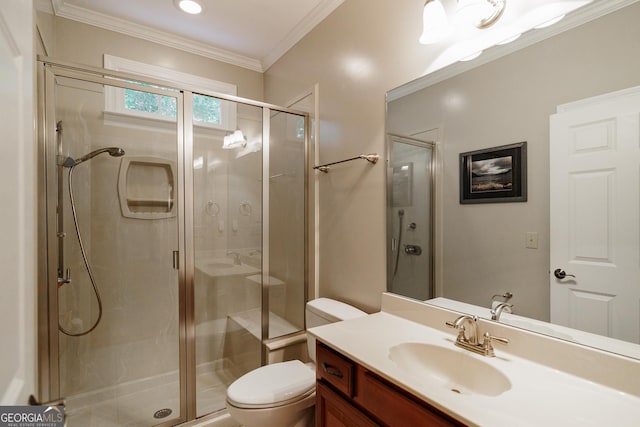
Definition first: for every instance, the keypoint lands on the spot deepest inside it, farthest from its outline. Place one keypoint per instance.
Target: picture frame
(494, 175)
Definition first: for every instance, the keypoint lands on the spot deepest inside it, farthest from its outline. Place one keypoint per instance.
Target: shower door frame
(429, 145)
(47, 303)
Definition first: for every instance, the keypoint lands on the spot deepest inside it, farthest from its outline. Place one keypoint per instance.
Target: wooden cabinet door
(395, 408)
(334, 411)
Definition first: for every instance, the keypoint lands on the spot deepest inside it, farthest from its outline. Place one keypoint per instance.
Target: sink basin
(452, 368)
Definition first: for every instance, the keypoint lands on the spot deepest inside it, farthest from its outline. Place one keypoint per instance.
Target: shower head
(401, 212)
(113, 151)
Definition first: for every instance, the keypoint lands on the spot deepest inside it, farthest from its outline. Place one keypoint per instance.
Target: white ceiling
(249, 33)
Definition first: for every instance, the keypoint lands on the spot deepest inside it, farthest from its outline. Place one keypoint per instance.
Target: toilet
(283, 394)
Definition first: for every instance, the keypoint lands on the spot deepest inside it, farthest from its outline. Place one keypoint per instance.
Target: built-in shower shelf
(165, 204)
(147, 188)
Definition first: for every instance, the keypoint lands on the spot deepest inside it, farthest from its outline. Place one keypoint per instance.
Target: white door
(17, 198)
(595, 201)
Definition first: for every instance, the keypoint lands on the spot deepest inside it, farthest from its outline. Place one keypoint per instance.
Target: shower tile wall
(131, 258)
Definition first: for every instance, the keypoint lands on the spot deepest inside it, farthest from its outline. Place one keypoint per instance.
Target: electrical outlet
(532, 240)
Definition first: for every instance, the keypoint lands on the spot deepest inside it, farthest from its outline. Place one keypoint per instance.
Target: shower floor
(134, 404)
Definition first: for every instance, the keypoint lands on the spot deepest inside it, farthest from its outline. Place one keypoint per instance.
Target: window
(207, 111)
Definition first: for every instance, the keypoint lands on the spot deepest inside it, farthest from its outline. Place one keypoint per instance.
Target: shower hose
(400, 217)
(86, 264)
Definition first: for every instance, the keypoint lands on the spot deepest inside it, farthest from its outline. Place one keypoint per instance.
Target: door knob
(560, 274)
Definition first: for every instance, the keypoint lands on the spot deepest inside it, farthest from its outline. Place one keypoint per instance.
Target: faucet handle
(488, 339)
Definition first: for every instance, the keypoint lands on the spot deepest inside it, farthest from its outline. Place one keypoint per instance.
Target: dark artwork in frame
(494, 175)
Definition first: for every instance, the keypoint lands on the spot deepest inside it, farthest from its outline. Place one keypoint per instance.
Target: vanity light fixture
(234, 140)
(435, 25)
(510, 39)
(471, 57)
(191, 7)
(549, 22)
(481, 13)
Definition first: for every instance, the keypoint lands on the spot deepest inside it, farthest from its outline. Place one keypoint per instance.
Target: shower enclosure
(410, 221)
(170, 251)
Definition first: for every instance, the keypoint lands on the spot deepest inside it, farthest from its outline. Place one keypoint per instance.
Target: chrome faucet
(459, 323)
(498, 309)
(470, 342)
(236, 257)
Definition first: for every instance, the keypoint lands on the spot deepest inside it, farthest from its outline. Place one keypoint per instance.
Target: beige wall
(367, 48)
(363, 49)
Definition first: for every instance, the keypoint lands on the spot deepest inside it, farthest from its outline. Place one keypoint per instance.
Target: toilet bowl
(283, 394)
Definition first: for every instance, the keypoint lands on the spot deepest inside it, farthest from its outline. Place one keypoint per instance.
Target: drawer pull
(331, 370)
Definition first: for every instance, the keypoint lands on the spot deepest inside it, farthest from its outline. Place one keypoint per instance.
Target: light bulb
(190, 6)
(435, 25)
(480, 13)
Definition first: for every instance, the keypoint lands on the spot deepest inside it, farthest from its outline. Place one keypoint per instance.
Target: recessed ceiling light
(189, 6)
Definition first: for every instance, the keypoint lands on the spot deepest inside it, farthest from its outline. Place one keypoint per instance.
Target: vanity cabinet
(350, 395)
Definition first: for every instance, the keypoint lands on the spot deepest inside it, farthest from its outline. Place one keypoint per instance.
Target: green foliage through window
(205, 108)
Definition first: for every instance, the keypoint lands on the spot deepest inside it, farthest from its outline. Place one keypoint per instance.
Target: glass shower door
(286, 288)
(410, 217)
(227, 212)
(117, 292)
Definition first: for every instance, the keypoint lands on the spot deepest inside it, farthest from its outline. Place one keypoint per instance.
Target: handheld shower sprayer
(71, 164)
(113, 152)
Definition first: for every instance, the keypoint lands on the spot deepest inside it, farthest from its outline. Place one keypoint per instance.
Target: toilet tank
(322, 311)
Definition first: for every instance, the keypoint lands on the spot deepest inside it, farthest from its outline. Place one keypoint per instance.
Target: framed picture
(494, 175)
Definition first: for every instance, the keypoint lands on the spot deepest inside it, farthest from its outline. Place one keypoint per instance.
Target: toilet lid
(272, 384)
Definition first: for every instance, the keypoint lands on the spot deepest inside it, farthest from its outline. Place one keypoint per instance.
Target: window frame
(114, 97)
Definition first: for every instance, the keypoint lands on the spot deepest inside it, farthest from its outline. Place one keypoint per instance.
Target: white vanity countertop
(597, 341)
(539, 395)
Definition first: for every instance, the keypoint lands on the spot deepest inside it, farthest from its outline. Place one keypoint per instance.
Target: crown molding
(581, 16)
(317, 15)
(86, 16)
(123, 26)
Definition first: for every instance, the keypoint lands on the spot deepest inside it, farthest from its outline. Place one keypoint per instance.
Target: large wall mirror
(492, 249)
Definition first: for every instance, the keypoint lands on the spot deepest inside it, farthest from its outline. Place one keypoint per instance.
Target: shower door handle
(176, 260)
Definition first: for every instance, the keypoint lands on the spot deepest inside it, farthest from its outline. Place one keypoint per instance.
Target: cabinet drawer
(393, 407)
(335, 369)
